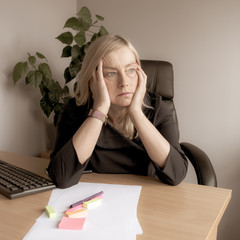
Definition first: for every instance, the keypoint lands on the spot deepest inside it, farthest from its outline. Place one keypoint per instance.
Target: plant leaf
(83, 51)
(32, 60)
(66, 52)
(67, 76)
(66, 99)
(56, 89)
(29, 77)
(65, 90)
(103, 31)
(65, 37)
(85, 25)
(75, 52)
(94, 37)
(38, 78)
(80, 38)
(40, 55)
(75, 86)
(46, 105)
(42, 89)
(45, 70)
(19, 70)
(73, 23)
(75, 67)
(34, 78)
(85, 18)
(58, 108)
(53, 98)
(51, 92)
(100, 18)
(85, 14)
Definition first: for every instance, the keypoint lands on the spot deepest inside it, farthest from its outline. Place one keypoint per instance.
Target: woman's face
(120, 75)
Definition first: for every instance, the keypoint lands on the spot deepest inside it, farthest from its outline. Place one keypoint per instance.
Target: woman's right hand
(101, 99)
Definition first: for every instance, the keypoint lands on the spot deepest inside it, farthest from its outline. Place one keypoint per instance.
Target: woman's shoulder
(74, 112)
(71, 105)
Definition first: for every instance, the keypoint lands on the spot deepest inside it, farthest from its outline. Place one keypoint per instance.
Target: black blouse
(113, 152)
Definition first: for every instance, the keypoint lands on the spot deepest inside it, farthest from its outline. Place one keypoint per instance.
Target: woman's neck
(115, 115)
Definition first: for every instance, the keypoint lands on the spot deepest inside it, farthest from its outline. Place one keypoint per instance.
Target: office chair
(160, 80)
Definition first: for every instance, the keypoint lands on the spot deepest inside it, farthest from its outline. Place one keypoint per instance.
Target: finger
(142, 72)
(93, 77)
(100, 70)
(142, 77)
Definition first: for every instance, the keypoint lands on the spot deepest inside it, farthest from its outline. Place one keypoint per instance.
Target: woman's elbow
(174, 176)
(62, 181)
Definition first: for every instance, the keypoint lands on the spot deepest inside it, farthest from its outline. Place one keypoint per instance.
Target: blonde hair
(95, 52)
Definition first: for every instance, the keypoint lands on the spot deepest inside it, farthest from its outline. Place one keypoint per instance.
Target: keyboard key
(17, 182)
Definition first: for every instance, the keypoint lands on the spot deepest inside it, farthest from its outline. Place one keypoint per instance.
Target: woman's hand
(136, 104)
(101, 99)
(155, 144)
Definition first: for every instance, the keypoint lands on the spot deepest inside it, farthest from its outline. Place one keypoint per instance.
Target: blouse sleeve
(64, 168)
(176, 165)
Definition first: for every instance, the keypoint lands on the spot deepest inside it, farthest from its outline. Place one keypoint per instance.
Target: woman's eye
(110, 74)
(131, 71)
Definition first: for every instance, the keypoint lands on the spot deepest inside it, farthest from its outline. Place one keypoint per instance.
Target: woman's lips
(124, 94)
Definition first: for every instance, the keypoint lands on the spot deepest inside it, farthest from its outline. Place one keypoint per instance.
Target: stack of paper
(115, 218)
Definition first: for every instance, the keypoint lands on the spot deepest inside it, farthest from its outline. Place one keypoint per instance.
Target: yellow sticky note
(50, 211)
(92, 203)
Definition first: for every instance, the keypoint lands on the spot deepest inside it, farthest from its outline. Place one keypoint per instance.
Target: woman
(110, 125)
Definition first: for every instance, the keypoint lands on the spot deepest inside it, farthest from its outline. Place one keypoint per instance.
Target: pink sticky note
(71, 223)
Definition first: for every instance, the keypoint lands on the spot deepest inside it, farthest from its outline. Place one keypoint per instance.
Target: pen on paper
(86, 199)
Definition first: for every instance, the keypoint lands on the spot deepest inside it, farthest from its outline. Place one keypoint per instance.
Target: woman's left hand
(140, 91)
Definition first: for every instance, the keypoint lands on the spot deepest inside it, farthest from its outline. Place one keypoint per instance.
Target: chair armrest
(201, 163)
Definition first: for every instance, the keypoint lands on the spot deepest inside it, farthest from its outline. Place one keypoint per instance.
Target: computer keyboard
(17, 182)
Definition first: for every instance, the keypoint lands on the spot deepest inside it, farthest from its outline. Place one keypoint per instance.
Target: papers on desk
(115, 218)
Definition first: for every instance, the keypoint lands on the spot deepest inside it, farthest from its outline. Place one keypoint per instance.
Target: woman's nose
(123, 80)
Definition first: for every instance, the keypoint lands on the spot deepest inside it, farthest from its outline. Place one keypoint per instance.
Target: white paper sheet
(115, 219)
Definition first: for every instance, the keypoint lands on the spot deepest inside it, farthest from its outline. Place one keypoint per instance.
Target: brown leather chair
(161, 81)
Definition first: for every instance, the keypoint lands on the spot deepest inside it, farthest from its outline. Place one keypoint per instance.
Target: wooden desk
(184, 212)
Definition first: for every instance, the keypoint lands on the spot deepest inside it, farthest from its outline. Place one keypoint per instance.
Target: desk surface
(186, 211)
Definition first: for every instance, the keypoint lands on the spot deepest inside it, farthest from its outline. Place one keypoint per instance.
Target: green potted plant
(37, 72)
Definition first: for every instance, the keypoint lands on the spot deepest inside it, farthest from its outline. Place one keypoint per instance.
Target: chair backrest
(161, 81)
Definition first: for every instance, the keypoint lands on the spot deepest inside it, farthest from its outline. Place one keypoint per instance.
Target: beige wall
(28, 26)
(202, 40)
